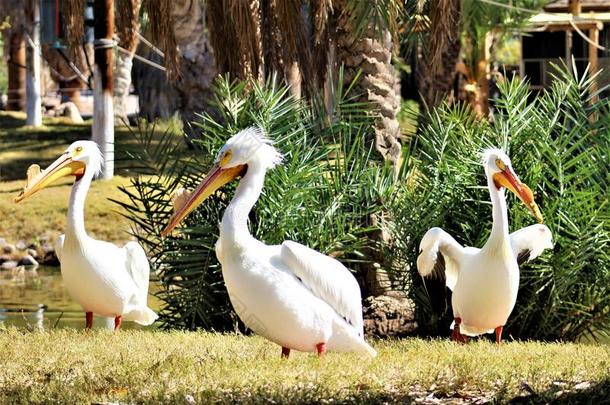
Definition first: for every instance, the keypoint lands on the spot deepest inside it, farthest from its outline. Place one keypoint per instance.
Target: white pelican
(485, 281)
(288, 293)
(103, 278)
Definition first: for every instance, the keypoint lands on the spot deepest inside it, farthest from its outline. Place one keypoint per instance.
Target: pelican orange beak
(62, 167)
(507, 178)
(216, 178)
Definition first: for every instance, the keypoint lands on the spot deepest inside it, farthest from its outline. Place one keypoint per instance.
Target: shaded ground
(20, 146)
(187, 367)
(45, 213)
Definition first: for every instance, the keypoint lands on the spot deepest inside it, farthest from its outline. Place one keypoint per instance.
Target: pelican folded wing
(328, 279)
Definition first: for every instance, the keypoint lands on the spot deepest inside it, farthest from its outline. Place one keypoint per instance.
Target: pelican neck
(76, 207)
(234, 223)
(499, 229)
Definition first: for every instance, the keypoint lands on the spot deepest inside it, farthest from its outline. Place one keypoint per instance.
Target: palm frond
(382, 16)
(74, 17)
(161, 26)
(323, 194)
(557, 149)
(128, 22)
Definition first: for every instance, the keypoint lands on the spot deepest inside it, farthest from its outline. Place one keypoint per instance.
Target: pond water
(35, 298)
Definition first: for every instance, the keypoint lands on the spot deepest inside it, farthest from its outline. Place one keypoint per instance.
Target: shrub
(323, 194)
(559, 144)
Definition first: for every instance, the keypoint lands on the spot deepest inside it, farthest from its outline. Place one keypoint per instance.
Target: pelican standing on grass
(485, 281)
(288, 293)
(103, 278)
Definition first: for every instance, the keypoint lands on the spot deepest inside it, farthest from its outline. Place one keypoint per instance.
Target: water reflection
(35, 298)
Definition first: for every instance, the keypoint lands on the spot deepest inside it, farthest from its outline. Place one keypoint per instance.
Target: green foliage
(323, 195)
(508, 51)
(562, 153)
(480, 19)
(381, 15)
(3, 69)
(408, 116)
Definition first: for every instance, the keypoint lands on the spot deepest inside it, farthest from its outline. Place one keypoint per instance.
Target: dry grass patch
(182, 367)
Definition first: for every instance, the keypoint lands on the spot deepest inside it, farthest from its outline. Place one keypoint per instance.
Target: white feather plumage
(484, 281)
(289, 293)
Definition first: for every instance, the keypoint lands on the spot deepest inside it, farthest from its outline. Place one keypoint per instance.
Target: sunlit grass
(45, 212)
(143, 366)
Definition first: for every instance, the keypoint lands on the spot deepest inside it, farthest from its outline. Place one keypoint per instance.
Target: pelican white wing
(328, 279)
(138, 268)
(59, 246)
(528, 243)
(440, 253)
(288, 293)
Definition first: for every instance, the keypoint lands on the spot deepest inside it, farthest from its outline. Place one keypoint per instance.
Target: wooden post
(16, 72)
(103, 114)
(481, 103)
(593, 65)
(32, 83)
(124, 63)
(569, 49)
(575, 7)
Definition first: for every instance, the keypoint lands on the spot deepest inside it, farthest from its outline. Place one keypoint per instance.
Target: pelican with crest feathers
(485, 281)
(103, 278)
(290, 294)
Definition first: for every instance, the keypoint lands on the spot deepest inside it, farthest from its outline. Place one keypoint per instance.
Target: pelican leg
(88, 320)
(456, 335)
(117, 322)
(499, 334)
(321, 349)
(285, 352)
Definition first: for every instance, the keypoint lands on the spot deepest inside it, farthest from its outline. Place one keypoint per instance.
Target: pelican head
(81, 156)
(499, 169)
(249, 147)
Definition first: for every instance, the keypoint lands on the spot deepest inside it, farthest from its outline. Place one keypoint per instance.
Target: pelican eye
(500, 164)
(78, 149)
(226, 158)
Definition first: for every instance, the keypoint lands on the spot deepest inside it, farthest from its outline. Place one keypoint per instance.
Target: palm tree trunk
(377, 84)
(197, 63)
(122, 84)
(124, 61)
(157, 97)
(436, 68)
(481, 100)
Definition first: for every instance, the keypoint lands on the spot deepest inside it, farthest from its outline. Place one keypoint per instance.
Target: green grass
(20, 145)
(45, 213)
(149, 367)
